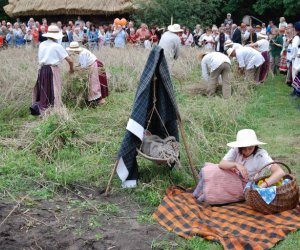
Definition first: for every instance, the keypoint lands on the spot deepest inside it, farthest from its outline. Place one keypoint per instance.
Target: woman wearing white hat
(47, 92)
(248, 158)
(98, 89)
(230, 44)
(225, 182)
(263, 45)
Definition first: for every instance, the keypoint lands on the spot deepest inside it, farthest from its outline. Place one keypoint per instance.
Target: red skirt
(264, 70)
(283, 64)
(103, 80)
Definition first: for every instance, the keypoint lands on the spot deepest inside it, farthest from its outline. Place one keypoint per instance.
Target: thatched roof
(17, 8)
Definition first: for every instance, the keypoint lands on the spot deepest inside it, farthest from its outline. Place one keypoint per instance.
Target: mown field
(43, 158)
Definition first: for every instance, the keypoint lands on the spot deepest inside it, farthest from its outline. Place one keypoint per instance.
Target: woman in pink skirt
(224, 182)
(262, 45)
(98, 87)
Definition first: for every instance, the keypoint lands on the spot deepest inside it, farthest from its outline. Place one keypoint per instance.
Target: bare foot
(102, 101)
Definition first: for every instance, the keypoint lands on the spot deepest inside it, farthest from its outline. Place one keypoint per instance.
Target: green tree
(184, 12)
(238, 9)
(287, 7)
(2, 12)
(263, 9)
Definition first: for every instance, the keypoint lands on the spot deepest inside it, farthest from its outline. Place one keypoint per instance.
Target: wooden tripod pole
(194, 172)
(110, 179)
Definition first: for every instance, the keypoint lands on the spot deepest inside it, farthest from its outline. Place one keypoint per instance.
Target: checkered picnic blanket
(235, 226)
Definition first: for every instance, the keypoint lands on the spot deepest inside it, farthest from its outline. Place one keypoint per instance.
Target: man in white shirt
(47, 92)
(249, 60)
(170, 42)
(215, 64)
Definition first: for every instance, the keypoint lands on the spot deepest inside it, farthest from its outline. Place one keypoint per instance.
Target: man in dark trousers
(236, 34)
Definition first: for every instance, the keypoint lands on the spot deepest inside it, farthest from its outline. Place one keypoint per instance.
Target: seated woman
(225, 182)
(98, 88)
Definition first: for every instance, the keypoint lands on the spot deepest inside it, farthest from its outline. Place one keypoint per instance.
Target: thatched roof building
(18, 8)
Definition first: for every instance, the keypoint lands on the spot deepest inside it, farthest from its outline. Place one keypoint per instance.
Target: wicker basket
(287, 195)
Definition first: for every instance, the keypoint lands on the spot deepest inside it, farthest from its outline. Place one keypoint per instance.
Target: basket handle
(271, 163)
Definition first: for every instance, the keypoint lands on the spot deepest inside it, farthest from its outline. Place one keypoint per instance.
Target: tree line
(208, 12)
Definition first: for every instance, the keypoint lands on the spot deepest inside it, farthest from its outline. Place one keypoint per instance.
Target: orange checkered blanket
(235, 226)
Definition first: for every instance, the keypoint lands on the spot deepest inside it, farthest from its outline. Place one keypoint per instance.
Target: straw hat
(202, 54)
(74, 46)
(262, 35)
(228, 43)
(229, 51)
(53, 32)
(175, 28)
(245, 138)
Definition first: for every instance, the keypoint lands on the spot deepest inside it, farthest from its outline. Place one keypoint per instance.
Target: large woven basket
(287, 195)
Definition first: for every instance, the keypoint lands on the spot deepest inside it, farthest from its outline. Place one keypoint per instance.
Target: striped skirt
(283, 65)
(48, 88)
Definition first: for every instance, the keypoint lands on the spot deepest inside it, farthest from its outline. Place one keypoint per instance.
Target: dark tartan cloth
(235, 226)
(166, 105)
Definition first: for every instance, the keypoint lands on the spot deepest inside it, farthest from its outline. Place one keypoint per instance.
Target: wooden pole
(172, 20)
(194, 172)
(110, 179)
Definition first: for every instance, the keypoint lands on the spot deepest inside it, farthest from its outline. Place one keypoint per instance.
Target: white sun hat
(262, 35)
(228, 43)
(53, 32)
(229, 51)
(74, 46)
(175, 28)
(245, 138)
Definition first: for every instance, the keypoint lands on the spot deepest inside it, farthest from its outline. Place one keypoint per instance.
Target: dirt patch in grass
(79, 220)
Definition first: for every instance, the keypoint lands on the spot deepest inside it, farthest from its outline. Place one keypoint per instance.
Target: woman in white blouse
(248, 158)
(98, 88)
(249, 61)
(225, 182)
(207, 40)
(263, 45)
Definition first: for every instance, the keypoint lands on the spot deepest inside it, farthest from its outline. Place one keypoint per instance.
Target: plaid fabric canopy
(143, 103)
(235, 226)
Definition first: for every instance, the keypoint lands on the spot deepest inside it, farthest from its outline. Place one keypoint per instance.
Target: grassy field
(78, 146)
